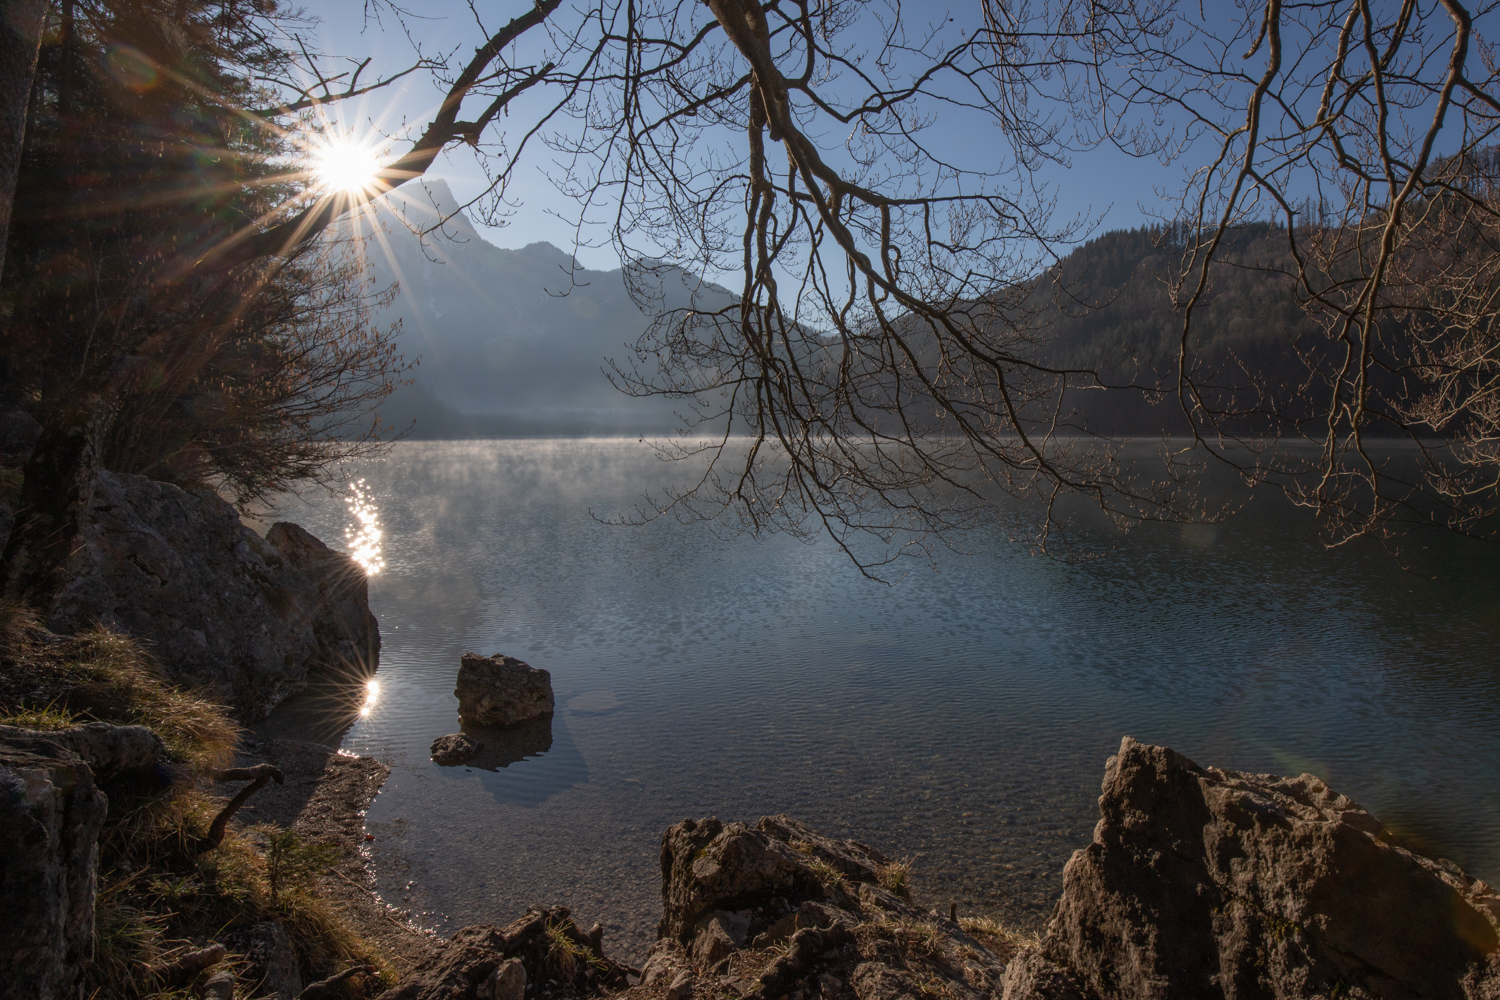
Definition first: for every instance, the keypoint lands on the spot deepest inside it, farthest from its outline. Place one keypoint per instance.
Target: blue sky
(1118, 189)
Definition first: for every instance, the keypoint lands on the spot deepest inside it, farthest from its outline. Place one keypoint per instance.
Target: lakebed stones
(500, 690)
(1202, 882)
(455, 748)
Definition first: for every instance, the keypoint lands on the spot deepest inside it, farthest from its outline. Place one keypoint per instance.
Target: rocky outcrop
(218, 604)
(543, 948)
(51, 812)
(784, 911)
(345, 633)
(1208, 883)
(500, 690)
(454, 748)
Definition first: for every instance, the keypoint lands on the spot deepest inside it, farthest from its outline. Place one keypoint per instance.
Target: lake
(958, 717)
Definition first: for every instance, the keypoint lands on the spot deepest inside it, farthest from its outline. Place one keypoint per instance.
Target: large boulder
(779, 910)
(1208, 883)
(709, 868)
(218, 604)
(51, 812)
(345, 633)
(542, 947)
(500, 690)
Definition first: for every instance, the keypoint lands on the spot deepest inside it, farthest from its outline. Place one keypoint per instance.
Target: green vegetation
(565, 953)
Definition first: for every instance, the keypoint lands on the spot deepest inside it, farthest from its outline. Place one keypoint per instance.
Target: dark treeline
(144, 152)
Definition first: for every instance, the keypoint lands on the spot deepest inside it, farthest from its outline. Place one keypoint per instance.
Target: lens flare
(363, 535)
(372, 695)
(344, 165)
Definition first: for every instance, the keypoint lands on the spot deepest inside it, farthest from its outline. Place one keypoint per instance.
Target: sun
(344, 165)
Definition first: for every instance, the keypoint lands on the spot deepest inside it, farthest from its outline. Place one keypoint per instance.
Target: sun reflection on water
(363, 535)
(372, 695)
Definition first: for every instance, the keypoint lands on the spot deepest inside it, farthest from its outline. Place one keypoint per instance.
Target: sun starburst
(345, 165)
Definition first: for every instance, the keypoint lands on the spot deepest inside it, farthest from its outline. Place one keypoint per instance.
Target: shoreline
(325, 797)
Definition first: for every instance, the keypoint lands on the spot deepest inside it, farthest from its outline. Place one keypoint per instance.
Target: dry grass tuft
(157, 896)
(20, 627)
(995, 936)
(895, 877)
(826, 873)
(49, 717)
(117, 681)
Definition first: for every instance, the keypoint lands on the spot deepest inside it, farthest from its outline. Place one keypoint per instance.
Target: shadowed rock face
(1208, 883)
(501, 690)
(50, 816)
(217, 604)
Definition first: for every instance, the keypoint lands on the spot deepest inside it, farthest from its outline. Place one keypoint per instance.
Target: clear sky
(1103, 182)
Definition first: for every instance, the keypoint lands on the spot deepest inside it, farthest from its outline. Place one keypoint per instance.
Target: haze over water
(961, 718)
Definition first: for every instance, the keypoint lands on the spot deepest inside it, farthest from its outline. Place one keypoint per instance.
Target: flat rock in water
(500, 690)
(454, 748)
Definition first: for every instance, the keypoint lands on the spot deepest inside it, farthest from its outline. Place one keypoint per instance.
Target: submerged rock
(454, 749)
(217, 604)
(500, 690)
(1202, 882)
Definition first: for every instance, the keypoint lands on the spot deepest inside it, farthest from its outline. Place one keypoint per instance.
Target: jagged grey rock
(455, 748)
(50, 816)
(107, 749)
(718, 935)
(220, 986)
(507, 982)
(708, 866)
(1203, 882)
(345, 631)
(681, 987)
(665, 960)
(218, 604)
(501, 690)
(475, 963)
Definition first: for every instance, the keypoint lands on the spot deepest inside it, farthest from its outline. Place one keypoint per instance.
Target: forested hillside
(1111, 310)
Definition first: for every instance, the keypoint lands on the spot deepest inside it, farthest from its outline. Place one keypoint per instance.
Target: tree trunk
(58, 484)
(20, 41)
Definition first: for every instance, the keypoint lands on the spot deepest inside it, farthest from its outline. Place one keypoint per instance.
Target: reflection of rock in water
(523, 765)
(322, 712)
(507, 745)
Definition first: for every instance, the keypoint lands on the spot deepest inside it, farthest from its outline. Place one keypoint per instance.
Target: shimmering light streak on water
(960, 717)
(372, 695)
(362, 537)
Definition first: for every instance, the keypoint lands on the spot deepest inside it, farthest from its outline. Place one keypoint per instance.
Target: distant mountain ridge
(511, 342)
(518, 342)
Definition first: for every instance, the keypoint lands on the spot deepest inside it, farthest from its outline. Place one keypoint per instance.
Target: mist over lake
(960, 717)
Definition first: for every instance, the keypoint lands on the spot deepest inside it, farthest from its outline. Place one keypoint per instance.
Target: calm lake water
(960, 717)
